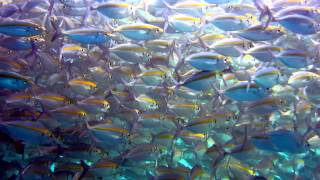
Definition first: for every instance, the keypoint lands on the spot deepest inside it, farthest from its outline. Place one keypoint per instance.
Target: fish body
(29, 132)
(20, 29)
(200, 81)
(16, 44)
(87, 36)
(208, 61)
(132, 53)
(230, 47)
(240, 92)
(114, 10)
(264, 53)
(299, 24)
(265, 106)
(280, 141)
(13, 81)
(184, 23)
(230, 22)
(259, 33)
(140, 32)
(267, 77)
(293, 58)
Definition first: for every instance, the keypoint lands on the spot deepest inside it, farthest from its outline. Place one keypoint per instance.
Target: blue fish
(280, 141)
(267, 77)
(242, 91)
(299, 24)
(13, 81)
(16, 44)
(207, 61)
(20, 29)
(87, 36)
(114, 10)
(200, 81)
(293, 58)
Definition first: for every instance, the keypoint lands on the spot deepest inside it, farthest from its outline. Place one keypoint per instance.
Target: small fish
(14, 82)
(206, 61)
(265, 106)
(108, 134)
(308, 11)
(82, 86)
(20, 29)
(230, 22)
(302, 78)
(131, 53)
(240, 9)
(51, 100)
(201, 125)
(280, 141)
(103, 168)
(299, 24)
(200, 81)
(240, 92)
(140, 152)
(192, 8)
(261, 33)
(94, 105)
(185, 109)
(267, 77)
(312, 94)
(263, 53)
(293, 58)
(140, 32)
(87, 36)
(114, 10)
(70, 52)
(184, 23)
(159, 45)
(29, 132)
(233, 47)
(19, 98)
(68, 115)
(16, 44)
(153, 77)
(146, 103)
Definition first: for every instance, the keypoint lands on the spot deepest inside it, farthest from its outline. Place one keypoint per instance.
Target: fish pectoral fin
(248, 86)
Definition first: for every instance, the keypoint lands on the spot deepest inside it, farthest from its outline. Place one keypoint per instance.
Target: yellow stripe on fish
(83, 82)
(112, 129)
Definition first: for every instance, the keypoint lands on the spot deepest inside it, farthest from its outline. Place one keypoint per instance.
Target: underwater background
(159, 89)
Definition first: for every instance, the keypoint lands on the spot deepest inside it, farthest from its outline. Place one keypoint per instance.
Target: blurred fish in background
(160, 89)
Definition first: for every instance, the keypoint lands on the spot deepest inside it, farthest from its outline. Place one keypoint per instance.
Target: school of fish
(160, 89)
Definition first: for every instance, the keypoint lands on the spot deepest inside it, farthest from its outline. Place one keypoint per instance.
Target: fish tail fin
(264, 11)
(168, 6)
(217, 99)
(203, 44)
(87, 13)
(56, 28)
